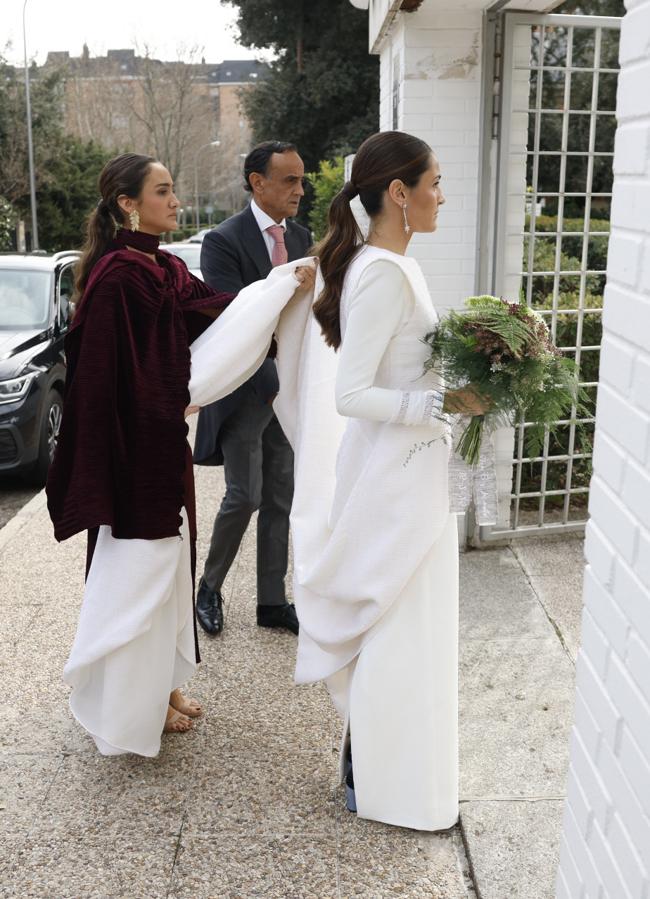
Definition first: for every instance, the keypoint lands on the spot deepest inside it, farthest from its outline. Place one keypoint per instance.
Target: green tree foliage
(326, 183)
(566, 335)
(46, 111)
(6, 225)
(66, 168)
(68, 193)
(592, 8)
(323, 90)
(554, 83)
(553, 86)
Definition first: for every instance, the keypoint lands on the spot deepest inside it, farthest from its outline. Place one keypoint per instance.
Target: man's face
(279, 192)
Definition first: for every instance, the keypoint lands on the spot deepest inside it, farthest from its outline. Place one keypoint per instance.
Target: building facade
(476, 86)
(176, 111)
(441, 79)
(606, 841)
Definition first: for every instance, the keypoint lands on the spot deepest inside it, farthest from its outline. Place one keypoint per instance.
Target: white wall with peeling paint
(430, 86)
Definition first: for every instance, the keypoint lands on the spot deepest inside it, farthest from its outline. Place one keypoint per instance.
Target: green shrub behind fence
(566, 336)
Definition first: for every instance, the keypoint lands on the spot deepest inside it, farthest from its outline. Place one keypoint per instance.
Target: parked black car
(35, 295)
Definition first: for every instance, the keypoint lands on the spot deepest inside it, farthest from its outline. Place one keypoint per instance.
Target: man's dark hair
(259, 157)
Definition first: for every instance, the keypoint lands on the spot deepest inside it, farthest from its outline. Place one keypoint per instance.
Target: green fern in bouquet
(505, 352)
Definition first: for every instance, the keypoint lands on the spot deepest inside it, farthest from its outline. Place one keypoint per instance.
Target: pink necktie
(279, 255)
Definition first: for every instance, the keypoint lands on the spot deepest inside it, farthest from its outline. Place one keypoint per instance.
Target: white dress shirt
(265, 221)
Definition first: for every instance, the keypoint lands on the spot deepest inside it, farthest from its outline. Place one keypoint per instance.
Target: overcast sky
(164, 25)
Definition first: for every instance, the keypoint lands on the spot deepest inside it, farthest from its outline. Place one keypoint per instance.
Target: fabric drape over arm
(366, 508)
(236, 344)
(381, 302)
(202, 303)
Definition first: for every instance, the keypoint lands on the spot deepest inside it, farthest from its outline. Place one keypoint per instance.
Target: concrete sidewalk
(246, 805)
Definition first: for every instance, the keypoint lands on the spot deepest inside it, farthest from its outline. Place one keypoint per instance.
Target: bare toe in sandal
(176, 722)
(189, 707)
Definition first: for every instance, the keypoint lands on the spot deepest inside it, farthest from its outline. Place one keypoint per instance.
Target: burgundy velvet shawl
(122, 458)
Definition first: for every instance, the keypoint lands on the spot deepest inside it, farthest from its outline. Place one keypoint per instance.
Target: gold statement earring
(134, 219)
(407, 227)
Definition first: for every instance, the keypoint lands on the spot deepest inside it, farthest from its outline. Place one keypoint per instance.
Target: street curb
(22, 517)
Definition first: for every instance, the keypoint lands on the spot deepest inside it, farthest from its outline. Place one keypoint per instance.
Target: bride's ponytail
(379, 160)
(335, 253)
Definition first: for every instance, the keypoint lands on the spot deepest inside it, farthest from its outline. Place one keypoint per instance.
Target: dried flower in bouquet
(504, 350)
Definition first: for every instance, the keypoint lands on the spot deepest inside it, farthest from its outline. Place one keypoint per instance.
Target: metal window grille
(552, 233)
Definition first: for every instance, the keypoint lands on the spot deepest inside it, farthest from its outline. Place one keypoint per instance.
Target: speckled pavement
(246, 805)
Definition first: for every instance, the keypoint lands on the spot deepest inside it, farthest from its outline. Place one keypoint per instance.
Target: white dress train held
(399, 692)
(375, 546)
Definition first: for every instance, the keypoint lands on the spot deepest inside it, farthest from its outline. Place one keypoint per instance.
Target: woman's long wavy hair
(123, 175)
(379, 160)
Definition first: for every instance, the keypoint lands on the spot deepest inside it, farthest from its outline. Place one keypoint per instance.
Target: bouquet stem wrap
(469, 444)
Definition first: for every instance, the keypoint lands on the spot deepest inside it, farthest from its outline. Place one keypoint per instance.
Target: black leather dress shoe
(209, 609)
(278, 616)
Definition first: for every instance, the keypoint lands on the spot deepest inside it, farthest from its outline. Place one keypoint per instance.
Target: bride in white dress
(375, 546)
(399, 691)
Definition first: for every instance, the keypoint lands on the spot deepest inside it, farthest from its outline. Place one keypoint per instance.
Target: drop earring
(407, 227)
(134, 219)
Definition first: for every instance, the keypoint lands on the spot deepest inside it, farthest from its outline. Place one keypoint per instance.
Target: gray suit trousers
(258, 468)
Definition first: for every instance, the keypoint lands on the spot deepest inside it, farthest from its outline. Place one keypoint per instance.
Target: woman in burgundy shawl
(123, 468)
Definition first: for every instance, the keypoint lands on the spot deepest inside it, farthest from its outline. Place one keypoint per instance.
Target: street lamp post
(30, 143)
(212, 143)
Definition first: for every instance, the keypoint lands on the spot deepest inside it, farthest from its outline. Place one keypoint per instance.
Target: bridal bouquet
(504, 350)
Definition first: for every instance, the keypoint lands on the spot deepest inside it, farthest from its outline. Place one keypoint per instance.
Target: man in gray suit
(241, 431)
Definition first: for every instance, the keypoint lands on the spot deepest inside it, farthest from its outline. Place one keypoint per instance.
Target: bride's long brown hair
(124, 174)
(379, 160)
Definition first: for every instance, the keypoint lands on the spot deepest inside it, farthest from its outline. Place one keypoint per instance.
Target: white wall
(514, 167)
(436, 57)
(430, 85)
(508, 274)
(606, 839)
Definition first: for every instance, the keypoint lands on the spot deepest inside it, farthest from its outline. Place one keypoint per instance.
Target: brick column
(606, 839)
(430, 87)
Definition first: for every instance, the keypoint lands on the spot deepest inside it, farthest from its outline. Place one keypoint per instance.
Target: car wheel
(50, 427)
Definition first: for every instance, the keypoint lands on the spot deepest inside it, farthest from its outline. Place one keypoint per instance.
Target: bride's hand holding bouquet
(466, 401)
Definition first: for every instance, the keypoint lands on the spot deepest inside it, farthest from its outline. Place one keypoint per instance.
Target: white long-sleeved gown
(401, 689)
(375, 547)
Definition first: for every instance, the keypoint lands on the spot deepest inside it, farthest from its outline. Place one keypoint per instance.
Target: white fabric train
(375, 547)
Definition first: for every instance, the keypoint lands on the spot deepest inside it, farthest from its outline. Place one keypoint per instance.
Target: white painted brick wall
(605, 849)
(515, 210)
(439, 55)
(509, 268)
(439, 58)
(439, 100)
